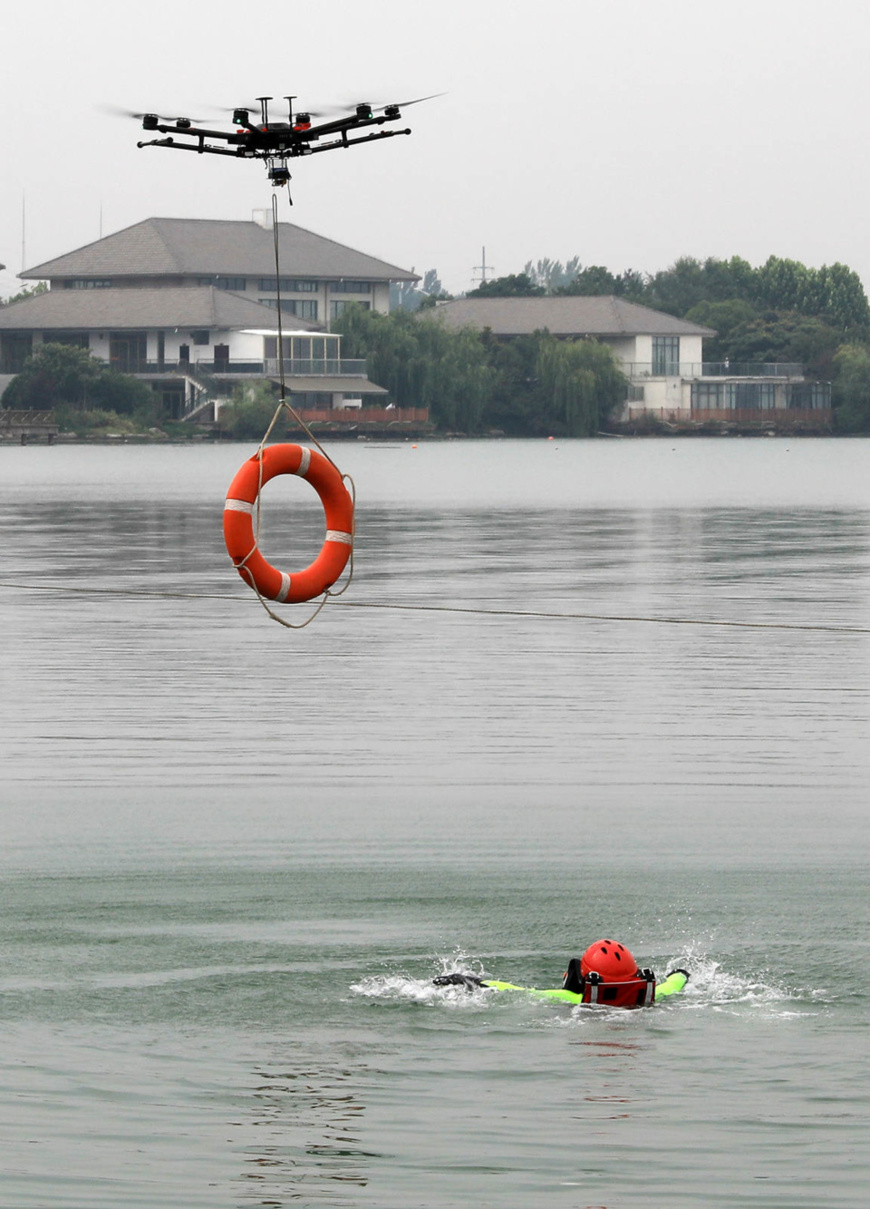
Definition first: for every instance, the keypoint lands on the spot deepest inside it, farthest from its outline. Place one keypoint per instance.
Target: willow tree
(579, 383)
(421, 363)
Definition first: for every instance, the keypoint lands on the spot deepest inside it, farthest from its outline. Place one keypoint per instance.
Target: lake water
(233, 856)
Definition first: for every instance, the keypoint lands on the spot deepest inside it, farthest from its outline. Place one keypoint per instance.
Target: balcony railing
(713, 369)
(306, 369)
(292, 367)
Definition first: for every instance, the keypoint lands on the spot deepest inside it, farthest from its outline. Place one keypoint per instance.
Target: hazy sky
(627, 133)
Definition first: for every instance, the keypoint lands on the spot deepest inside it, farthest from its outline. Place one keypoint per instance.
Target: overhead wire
(472, 610)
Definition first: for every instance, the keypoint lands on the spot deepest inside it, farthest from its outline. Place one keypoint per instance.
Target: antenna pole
(482, 268)
(264, 109)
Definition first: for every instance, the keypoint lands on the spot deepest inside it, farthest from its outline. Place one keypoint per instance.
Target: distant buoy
(241, 504)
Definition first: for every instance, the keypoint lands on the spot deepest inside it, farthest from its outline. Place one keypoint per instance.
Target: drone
(275, 142)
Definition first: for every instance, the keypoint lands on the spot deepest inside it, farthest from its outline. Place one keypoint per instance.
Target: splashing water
(711, 986)
(404, 987)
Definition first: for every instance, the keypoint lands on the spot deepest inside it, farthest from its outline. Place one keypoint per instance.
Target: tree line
(471, 382)
(780, 311)
(535, 384)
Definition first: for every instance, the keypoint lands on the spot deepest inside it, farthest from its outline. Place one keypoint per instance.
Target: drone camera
(149, 121)
(278, 174)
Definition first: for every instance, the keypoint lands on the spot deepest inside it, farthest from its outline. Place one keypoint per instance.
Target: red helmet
(610, 959)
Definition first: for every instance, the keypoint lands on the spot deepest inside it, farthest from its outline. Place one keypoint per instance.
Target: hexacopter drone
(275, 142)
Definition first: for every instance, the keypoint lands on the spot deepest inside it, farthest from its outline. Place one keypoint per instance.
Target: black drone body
(275, 142)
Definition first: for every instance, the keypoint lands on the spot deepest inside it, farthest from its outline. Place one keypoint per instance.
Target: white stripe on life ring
(335, 535)
(305, 463)
(285, 587)
(239, 506)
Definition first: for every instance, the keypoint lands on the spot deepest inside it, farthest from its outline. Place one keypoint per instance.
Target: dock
(29, 425)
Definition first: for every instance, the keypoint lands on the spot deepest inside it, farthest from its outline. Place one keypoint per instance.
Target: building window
(665, 355)
(73, 339)
(289, 285)
(303, 308)
(754, 396)
(707, 396)
(224, 283)
(127, 351)
(199, 337)
(15, 349)
(809, 395)
(350, 287)
(87, 283)
(338, 308)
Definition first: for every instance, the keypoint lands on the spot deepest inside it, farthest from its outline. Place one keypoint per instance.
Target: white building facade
(190, 305)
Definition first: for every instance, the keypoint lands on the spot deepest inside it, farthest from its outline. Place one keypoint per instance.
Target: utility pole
(483, 268)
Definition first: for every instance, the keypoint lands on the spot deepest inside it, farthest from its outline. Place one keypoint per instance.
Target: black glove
(470, 981)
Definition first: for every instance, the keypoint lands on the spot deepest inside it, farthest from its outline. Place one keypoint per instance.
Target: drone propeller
(348, 107)
(416, 101)
(391, 105)
(118, 111)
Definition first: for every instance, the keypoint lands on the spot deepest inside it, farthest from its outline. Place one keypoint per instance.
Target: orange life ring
(241, 503)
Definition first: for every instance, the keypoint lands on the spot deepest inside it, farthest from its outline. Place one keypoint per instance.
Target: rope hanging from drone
(275, 143)
(243, 508)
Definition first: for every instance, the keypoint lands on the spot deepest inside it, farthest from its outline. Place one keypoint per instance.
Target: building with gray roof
(191, 306)
(660, 355)
(318, 277)
(570, 316)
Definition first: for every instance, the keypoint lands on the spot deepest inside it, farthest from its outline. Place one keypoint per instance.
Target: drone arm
(200, 148)
(352, 122)
(197, 132)
(344, 141)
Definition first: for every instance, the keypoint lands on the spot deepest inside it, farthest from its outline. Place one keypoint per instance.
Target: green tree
(544, 386)
(580, 384)
(29, 291)
(724, 318)
(66, 377)
(845, 302)
(126, 396)
(552, 275)
(514, 405)
(594, 279)
(407, 296)
(55, 374)
(515, 285)
(421, 363)
(786, 337)
(851, 391)
(785, 285)
(249, 413)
